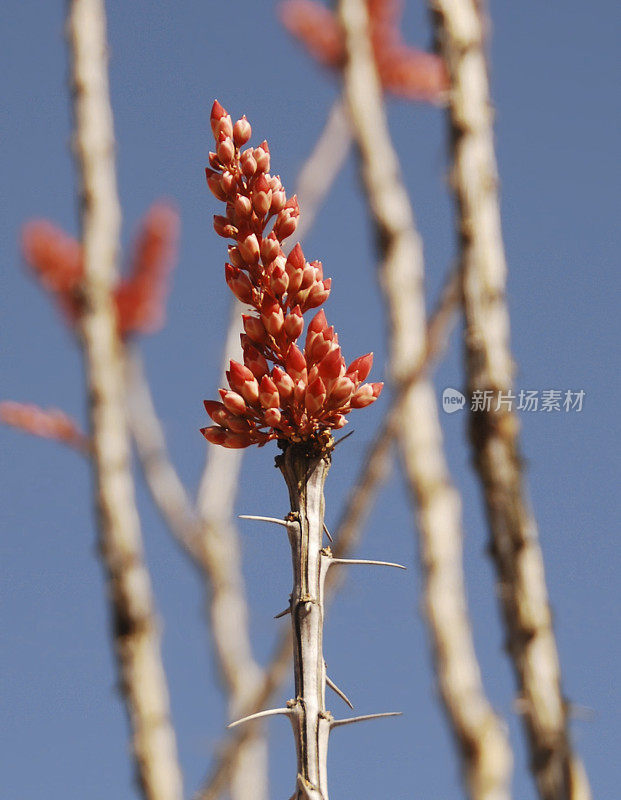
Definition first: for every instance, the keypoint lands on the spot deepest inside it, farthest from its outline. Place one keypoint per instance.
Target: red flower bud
(318, 323)
(270, 249)
(315, 396)
(294, 324)
(262, 157)
(243, 206)
(237, 375)
(255, 361)
(217, 113)
(223, 227)
(272, 316)
(283, 382)
(248, 163)
(287, 219)
(342, 389)
(279, 280)
(229, 184)
(239, 283)
(272, 417)
(241, 132)
(214, 434)
(225, 149)
(330, 365)
(268, 393)
(366, 394)
(360, 367)
(213, 181)
(255, 329)
(295, 363)
(235, 257)
(233, 401)
(279, 198)
(249, 248)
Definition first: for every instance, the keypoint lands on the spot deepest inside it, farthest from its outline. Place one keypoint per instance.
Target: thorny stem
(494, 432)
(305, 473)
(136, 638)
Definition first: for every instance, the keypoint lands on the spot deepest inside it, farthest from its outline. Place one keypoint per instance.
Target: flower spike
(286, 389)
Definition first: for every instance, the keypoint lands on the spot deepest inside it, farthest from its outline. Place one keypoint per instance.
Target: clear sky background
(555, 82)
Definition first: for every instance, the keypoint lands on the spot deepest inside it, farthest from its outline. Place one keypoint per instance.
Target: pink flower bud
(248, 163)
(236, 441)
(315, 396)
(255, 329)
(366, 394)
(239, 283)
(270, 249)
(299, 391)
(234, 402)
(214, 434)
(214, 161)
(342, 389)
(287, 219)
(241, 132)
(235, 257)
(279, 198)
(223, 227)
(217, 113)
(255, 362)
(250, 390)
(225, 149)
(295, 363)
(294, 324)
(317, 295)
(262, 157)
(243, 206)
(249, 248)
(213, 408)
(272, 417)
(272, 316)
(268, 393)
(283, 382)
(330, 365)
(279, 280)
(318, 267)
(261, 202)
(360, 367)
(318, 323)
(213, 181)
(237, 375)
(229, 184)
(339, 421)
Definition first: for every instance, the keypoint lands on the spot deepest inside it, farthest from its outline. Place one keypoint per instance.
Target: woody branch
(494, 432)
(482, 743)
(135, 631)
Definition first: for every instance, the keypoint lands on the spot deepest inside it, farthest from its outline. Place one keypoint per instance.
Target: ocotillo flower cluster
(282, 390)
(403, 70)
(56, 259)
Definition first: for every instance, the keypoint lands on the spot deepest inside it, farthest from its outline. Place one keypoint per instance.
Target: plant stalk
(305, 474)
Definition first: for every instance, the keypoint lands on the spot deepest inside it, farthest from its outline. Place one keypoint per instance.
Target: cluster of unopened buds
(282, 390)
(140, 298)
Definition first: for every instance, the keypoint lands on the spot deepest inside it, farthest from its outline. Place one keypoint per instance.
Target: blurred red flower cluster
(403, 70)
(56, 259)
(307, 389)
(48, 423)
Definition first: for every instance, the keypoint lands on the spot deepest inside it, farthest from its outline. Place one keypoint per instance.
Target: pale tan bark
(134, 621)
(494, 433)
(482, 742)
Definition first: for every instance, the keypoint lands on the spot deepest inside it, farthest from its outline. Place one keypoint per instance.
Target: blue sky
(555, 76)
